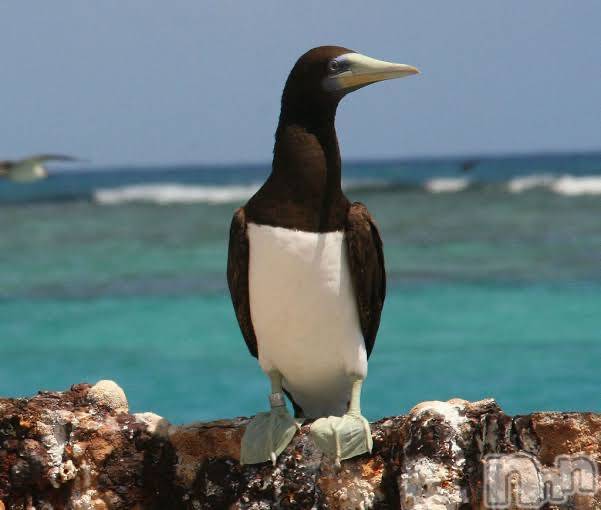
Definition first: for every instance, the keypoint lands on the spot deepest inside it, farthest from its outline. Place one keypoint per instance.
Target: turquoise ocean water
(494, 285)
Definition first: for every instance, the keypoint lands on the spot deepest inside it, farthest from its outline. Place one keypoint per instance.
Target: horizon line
(353, 161)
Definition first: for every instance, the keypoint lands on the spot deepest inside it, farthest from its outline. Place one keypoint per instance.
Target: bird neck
(306, 151)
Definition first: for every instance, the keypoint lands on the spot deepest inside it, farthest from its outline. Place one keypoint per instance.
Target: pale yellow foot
(342, 437)
(267, 435)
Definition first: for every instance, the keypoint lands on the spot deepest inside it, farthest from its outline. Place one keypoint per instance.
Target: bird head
(324, 75)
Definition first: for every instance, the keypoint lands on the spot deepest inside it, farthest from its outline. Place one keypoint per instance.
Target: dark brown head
(324, 75)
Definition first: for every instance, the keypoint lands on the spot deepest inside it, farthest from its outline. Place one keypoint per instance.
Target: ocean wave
(528, 182)
(447, 184)
(367, 184)
(563, 185)
(175, 193)
(570, 185)
(172, 193)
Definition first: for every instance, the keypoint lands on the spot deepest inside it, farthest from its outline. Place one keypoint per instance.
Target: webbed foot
(267, 435)
(342, 437)
(347, 436)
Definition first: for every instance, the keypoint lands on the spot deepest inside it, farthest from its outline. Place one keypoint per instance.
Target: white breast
(305, 316)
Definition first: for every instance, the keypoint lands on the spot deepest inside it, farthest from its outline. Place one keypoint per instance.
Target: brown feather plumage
(366, 260)
(237, 278)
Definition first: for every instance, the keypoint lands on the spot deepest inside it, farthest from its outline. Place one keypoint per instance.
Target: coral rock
(108, 394)
(81, 450)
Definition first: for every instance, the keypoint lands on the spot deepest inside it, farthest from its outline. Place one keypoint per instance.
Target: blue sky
(142, 81)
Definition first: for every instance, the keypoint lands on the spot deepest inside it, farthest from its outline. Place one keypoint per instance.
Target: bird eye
(333, 66)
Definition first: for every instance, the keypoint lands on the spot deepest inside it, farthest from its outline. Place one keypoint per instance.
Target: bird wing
(366, 260)
(42, 158)
(237, 278)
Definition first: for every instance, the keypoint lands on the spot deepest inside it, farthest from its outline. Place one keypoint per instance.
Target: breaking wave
(447, 184)
(175, 193)
(528, 182)
(563, 185)
(172, 193)
(569, 185)
(570, 175)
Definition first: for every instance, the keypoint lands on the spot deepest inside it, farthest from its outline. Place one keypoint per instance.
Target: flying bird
(31, 168)
(469, 164)
(306, 268)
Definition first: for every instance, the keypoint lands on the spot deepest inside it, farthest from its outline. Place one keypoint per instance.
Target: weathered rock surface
(81, 449)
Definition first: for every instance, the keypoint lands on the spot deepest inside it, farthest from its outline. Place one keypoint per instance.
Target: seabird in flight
(31, 168)
(306, 268)
(469, 164)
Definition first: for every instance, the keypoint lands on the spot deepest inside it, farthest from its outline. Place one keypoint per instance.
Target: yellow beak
(357, 70)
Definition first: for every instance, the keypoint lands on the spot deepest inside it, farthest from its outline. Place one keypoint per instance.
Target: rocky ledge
(81, 449)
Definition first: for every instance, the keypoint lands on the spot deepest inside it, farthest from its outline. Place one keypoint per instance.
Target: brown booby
(306, 268)
(31, 168)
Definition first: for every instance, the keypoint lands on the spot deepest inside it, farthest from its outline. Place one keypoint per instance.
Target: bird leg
(268, 434)
(347, 436)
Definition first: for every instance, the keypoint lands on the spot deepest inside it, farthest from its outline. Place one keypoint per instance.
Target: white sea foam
(527, 182)
(171, 193)
(584, 185)
(447, 184)
(174, 193)
(564, 185)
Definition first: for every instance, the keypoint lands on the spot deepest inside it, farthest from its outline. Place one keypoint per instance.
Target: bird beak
(355, 70)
